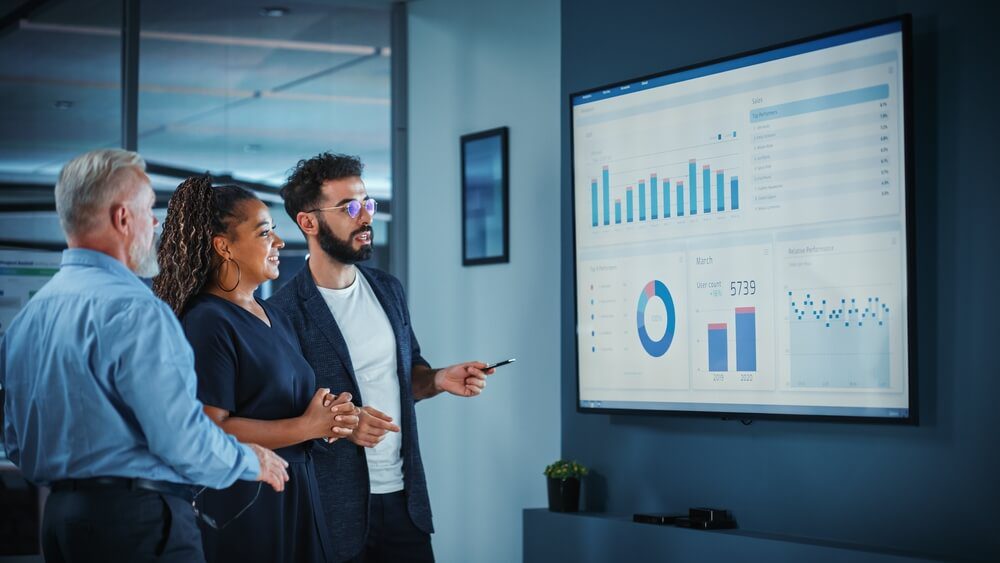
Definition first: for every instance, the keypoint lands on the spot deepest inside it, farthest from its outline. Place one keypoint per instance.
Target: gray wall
(931, 488)
(475, 66)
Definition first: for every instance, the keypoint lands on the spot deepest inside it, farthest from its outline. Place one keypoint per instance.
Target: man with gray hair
(100, 386)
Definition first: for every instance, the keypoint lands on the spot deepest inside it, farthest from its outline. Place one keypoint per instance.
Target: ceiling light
(63, 104)
(274, 11)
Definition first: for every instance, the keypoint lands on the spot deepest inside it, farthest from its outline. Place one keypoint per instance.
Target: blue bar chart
(718, 342)
(606, 183)
(720, 192)
(628, 203)
(693, 184)
(652, 195)
(642, 200)
(657, 197)
(745, 342)
(593, 199)
(707, 188)
(666, 198)
(746, 339)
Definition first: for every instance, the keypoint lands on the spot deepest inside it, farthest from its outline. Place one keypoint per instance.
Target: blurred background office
(235, 88)
(243, 89)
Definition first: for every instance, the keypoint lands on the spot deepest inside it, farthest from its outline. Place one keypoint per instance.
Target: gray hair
(89, 183)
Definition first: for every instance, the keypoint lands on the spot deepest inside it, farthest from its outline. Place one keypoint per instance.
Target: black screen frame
(912, 418)
(503, 133)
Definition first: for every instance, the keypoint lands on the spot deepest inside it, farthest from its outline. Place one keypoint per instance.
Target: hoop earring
(218, 276)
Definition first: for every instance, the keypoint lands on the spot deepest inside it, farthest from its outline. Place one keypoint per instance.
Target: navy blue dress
(256, 371)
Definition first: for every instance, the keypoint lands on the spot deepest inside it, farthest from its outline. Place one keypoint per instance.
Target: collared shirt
(100, 381)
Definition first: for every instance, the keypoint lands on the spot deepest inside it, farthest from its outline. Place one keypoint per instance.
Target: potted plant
(564, 485)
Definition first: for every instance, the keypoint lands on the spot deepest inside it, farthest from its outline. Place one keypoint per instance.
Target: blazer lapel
(321, 317)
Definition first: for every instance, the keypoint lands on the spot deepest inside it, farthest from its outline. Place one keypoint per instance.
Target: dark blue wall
(933, 488)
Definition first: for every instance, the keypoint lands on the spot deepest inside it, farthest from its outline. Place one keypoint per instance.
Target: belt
(186, 492)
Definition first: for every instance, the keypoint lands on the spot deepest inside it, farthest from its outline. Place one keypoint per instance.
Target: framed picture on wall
(485, 202)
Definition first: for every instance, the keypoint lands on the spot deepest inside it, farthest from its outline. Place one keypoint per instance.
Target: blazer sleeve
(418, 359)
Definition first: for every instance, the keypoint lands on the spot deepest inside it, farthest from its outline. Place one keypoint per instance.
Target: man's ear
(121, 219)
(307, 222)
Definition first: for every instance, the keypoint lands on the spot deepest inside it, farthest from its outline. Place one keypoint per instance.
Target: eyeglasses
(353, 207)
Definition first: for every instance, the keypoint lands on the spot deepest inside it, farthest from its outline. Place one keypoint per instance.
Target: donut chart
(656, 289)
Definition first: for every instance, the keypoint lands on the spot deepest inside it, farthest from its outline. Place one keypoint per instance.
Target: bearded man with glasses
(354, 327)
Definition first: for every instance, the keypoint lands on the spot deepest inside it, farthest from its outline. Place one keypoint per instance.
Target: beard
(342, 250)
(143, 258)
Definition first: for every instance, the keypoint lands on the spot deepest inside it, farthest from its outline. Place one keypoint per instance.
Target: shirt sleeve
(9, 436)
(214, 360)
(155, 376)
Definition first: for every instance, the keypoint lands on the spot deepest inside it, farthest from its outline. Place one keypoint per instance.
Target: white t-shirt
(372, 346)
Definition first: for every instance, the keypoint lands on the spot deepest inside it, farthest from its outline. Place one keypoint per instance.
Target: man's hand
(464, 380)
(346, 416)
(372, 428)
(272, 467)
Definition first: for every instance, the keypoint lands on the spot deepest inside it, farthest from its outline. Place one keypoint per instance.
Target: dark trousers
(119, 525)
(392, 535)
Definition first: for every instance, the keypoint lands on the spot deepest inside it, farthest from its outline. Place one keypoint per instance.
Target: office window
(60, 81)
(245, 92)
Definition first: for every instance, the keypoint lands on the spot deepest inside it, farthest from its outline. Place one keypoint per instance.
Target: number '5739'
(743, 287)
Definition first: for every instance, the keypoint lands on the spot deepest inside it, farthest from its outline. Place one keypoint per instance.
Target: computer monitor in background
(22, 274)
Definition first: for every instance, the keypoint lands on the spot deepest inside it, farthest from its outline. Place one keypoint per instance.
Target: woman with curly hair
(218, 246)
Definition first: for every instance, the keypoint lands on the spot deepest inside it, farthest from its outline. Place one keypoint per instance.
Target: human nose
(279, 242)
(364, 215)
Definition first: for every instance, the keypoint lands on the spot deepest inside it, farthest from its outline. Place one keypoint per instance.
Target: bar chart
(732, 318)
(745, 342)
(655, 197)
(718, 347)
(838, 342)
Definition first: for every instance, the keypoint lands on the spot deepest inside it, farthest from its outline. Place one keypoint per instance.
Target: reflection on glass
(236, 91)
(60, 81)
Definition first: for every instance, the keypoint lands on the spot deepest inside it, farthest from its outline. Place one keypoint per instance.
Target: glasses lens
(370, 206)
(353, 208)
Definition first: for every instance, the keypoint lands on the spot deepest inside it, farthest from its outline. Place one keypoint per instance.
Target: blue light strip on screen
(780, 53)
(828, 101)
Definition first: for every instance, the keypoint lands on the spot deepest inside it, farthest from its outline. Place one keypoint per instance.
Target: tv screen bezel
(906, 23)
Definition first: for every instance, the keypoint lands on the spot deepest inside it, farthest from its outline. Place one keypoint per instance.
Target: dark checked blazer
(341, 467)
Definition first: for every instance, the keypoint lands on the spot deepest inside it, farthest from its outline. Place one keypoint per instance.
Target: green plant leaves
(564, 469)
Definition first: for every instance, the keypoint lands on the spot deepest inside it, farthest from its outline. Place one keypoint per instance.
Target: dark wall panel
(931, 488)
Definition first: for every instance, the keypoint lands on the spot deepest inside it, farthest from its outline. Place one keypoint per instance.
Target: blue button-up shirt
(100, 381)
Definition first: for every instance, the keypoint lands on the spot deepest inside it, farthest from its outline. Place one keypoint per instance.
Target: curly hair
(197, 212)
(302, 190)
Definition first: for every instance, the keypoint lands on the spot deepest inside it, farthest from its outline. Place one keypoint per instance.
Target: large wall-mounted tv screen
(743, 233)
